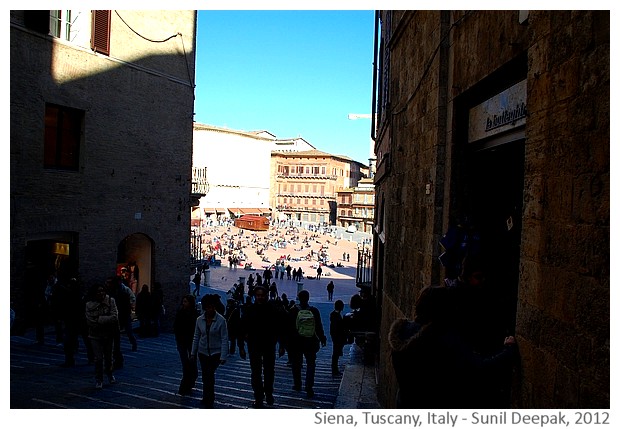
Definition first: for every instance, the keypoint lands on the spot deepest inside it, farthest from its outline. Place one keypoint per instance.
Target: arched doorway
(135, 261)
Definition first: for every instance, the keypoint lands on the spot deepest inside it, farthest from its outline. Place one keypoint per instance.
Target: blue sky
(292, 73)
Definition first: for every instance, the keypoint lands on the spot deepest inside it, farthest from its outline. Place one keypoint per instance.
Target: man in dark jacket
(338, 334)
(184, 328)
(261, 328)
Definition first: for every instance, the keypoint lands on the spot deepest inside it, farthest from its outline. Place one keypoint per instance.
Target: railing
(200, 186)
(195, 248)
(364, 267)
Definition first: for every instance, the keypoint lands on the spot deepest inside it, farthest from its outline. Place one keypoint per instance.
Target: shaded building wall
(134, 174)
(440, 64)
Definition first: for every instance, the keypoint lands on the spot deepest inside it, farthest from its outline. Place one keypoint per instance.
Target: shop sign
(500, 113)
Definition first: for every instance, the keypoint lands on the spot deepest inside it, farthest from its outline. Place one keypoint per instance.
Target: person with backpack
(306, 338)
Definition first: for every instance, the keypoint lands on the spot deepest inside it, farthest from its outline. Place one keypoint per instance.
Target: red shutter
(100, 32)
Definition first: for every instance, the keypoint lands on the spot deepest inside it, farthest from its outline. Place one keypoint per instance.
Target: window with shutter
(62, 139)
(100, 39)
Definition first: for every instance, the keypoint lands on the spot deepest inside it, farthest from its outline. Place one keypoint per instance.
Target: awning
(245, 211)
(215, 210)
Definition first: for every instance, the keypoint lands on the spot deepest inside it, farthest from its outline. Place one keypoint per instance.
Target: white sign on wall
(500, 113)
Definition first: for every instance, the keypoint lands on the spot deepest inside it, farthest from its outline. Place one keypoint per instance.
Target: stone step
(150, 379)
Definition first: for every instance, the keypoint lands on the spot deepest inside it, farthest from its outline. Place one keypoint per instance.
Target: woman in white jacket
(211, 346)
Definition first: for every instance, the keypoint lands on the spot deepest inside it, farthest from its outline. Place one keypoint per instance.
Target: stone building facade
(305, 184)
(101, 149)
(498, 122)
(355, 206)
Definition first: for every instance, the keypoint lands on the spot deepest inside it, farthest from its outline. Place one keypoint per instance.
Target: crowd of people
(259, 327)
(99, 315)
(447, 356)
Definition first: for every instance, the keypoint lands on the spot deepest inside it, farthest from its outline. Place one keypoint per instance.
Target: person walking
(74, 313)
(338, 334)
(184, 328)
(233, 322)
(330, 290)
(267, 276)
(117, 290)
(282, 269)
(143, 309)
(53, 298)
(305, 340)
(261, 328)
(102, 320)
(196, 280)
(273, 291)
(210, 345)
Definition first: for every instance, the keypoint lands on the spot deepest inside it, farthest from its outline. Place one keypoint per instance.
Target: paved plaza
(344, 277)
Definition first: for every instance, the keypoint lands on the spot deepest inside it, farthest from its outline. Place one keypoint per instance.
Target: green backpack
(305, 323)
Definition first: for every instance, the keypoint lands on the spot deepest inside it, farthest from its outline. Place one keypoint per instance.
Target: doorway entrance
(134, 261)
(494, 189)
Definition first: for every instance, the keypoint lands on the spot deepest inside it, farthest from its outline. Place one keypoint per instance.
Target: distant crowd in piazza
(222, 243)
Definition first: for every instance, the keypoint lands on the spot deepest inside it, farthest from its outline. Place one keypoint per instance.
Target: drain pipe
(373, 110)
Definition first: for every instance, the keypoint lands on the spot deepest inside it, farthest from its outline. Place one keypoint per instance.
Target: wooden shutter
(100, 33)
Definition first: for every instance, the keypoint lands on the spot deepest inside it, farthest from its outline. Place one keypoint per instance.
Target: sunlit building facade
(356, 206)
(305, 184)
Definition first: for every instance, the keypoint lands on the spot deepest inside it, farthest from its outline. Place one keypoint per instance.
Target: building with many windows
(101, 111)
(305, 184)
(356, 206)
